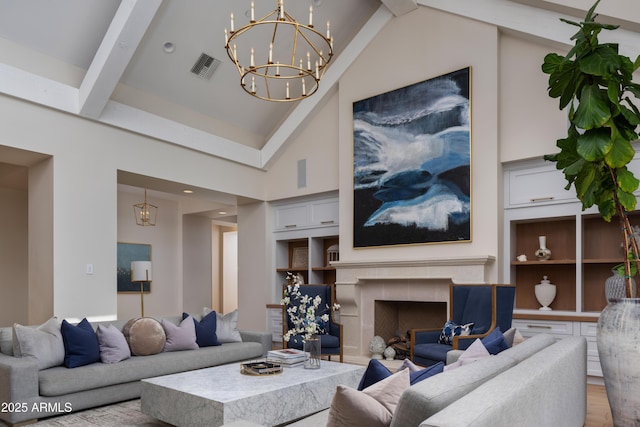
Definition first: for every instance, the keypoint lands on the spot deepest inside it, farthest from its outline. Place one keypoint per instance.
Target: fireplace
(364, 287)
(394, 319)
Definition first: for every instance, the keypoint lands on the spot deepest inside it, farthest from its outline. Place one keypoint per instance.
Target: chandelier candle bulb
(253, 12)
(288, 90)
(304, 88)
(278, 69)
(226, 37)
(311, 16)
(253, 84)
(281, 7)
(253, 63)
(232, 23)
(308, 61)
(328, 30)
(270, 53)
(317, 71)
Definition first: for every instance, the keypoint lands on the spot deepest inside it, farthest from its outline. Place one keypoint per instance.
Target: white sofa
(539, 382)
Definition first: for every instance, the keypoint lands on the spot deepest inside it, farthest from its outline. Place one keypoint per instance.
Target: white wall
(229, 271)
(198, 262)
(86, 158)
(13, 256)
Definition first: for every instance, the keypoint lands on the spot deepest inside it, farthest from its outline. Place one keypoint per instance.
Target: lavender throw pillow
(180, 337)
(113, 345)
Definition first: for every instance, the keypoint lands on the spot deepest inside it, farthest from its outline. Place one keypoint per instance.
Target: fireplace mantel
(359, 283)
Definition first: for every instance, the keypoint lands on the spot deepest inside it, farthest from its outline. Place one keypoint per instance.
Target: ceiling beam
(278, 140)
(130, 23)
(400, 7)
(532, 21)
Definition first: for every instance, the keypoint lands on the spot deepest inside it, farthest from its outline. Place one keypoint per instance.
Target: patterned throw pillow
(452, 329)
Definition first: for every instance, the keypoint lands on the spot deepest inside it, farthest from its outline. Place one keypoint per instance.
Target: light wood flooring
(598, 411)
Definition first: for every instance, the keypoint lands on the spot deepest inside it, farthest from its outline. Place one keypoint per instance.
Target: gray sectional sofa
(27, 393)
(539, 382)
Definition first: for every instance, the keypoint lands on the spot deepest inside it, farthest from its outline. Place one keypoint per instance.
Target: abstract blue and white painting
(411, 161)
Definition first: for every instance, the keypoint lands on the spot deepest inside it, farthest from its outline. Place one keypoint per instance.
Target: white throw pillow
(226, 326)
(474, 352)
(43, 344)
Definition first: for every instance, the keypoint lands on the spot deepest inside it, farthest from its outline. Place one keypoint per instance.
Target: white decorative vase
(377, 347)
(389, 353)
(545, 293)
(543, 253)
(618, 338)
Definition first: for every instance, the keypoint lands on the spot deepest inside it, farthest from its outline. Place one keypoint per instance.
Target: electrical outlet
(89, 269)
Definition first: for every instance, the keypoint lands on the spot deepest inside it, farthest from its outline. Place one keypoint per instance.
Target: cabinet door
(291, 216)
(324, 212)
(537, 185)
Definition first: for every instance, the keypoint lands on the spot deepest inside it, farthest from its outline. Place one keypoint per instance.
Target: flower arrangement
(303, 311)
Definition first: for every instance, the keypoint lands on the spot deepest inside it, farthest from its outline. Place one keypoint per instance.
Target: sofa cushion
(372, 406)
(145, 336)
(205, 329)
(376, 372)
(81, 345)
(473, 353)
(58, 381)
(43, 344)
(113, 345)
(180, 337)
(495, 342)
(227, 327)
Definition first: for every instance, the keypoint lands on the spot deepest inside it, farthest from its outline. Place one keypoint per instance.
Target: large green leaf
(620, 153)
(603, 61)
(594, 144)
(626, 180)
(593, 109)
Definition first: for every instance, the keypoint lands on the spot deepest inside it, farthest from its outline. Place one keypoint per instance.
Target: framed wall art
(128, 252)
(411, 162)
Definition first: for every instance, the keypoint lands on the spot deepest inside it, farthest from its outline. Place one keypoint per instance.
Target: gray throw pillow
(226, 326)
(113, 345)
(43, 344)
(180, 337)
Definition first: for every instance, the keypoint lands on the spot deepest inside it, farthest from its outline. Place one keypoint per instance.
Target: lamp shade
(141, 271)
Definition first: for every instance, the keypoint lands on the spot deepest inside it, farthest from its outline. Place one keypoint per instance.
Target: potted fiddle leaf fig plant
(595, 82)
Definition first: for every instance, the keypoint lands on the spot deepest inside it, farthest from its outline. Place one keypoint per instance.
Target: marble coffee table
(219, 395)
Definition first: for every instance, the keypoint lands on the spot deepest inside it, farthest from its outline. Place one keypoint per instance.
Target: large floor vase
(618, 337)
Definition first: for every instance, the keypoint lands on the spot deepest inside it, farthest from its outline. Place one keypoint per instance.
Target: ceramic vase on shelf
(313, 349)
(616, 287)
(545, 293)
(543, 253)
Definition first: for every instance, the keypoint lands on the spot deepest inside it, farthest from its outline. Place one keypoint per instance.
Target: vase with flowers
(306, 318)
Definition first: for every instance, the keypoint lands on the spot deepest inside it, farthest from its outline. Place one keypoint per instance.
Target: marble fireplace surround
(360, 283)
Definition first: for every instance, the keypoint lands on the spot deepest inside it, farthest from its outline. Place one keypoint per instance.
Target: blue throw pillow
(81, 346)
(495, 342)
(205, 330)
(451, 329)
(416, 377)
(375, 372)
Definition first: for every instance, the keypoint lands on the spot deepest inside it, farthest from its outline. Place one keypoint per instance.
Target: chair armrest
(263, 338)
(18, 379)
(422, 336)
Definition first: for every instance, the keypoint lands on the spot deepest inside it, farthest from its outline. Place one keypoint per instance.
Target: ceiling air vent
(205, 66)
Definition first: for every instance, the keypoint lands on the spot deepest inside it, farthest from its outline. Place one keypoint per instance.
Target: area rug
(125, 414)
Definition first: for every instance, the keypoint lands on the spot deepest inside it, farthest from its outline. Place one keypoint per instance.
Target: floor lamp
(141, 273)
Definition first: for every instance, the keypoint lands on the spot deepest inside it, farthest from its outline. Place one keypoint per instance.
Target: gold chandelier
(145, 213)
(289, 61)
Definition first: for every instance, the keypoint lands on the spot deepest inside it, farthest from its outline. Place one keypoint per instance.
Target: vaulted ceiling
(127, 63)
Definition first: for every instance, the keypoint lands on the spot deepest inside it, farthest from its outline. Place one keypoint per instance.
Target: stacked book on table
(287, 357)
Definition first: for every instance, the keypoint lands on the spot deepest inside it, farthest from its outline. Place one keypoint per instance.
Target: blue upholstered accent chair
(331, 341)
(486, 306)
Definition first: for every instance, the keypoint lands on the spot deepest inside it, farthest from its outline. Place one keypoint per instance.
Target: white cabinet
(539, 185)
(560, 329)
(306, 214)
